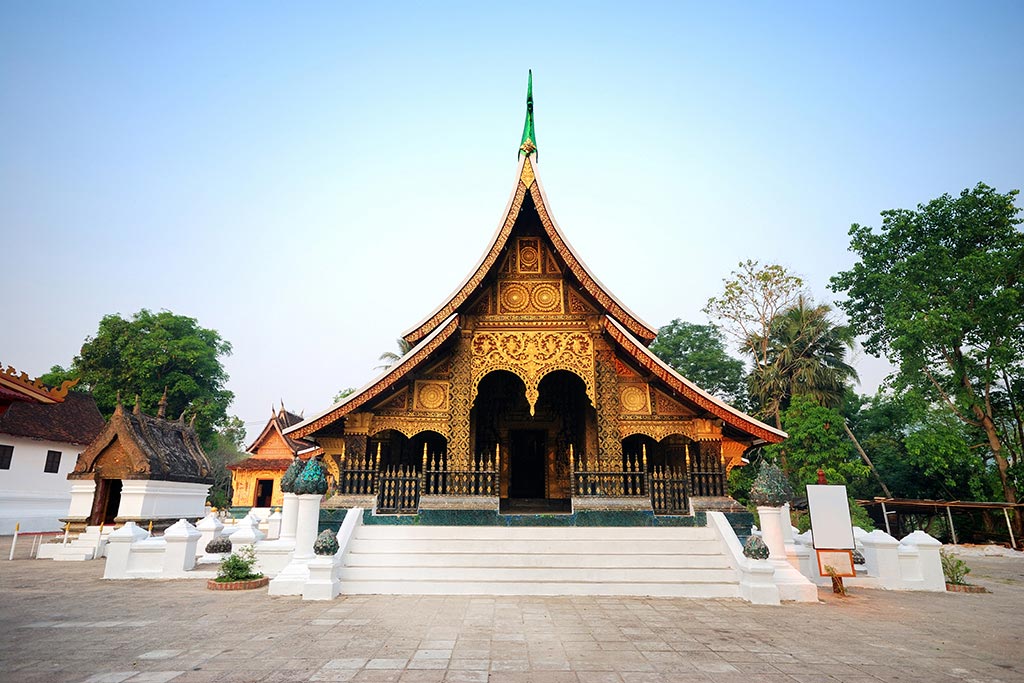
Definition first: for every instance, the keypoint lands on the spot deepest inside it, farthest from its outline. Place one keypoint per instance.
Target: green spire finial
(528, 145)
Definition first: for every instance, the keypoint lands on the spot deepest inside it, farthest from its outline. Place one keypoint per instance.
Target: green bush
(238, 566)
(953, 568)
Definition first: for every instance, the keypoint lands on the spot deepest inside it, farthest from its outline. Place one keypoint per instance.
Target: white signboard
(830, 517)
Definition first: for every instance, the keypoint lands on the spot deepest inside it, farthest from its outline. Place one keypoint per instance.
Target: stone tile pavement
(61, 622)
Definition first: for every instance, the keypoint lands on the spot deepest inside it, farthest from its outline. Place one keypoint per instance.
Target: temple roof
(18, 386)
(379, 384)
(279, 421)
(529, 183)
(159, 449)
(75, 419)
(687, 389)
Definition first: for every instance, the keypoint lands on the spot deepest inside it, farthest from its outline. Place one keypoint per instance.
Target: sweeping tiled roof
(261, 464)
(159, 449)
(75, 420)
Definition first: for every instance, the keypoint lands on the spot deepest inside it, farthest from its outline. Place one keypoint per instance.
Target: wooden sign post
(832, 530)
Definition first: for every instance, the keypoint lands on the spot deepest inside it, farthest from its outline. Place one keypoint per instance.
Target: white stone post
(180, 555)
(882, 558)
(246, 534)
(119, 549)
(307, 524)
(771, 531)
(929, 561)
(322, 584)
(289, 516)
(292, 579)
(210, 527)
(274, 526)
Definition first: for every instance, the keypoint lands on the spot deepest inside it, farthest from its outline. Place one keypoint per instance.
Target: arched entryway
(535, 449)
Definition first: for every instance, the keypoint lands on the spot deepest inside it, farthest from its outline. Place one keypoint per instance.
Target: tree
(749, 303)
(806, 351)
(816, 440)
(390, 357)
(148, 353)
(348, 391)
(698, 353)
(938, 290)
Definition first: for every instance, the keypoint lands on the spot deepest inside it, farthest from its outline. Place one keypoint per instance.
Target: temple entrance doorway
(107, 502)
(528, 450)
(264, 493)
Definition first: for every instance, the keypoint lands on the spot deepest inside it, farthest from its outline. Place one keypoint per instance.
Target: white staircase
(89, 545)
(489, 560)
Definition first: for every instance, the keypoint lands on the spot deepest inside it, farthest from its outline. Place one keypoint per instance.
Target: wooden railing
(478, 478)
(399, 490)
(668, 490)
(627, 478)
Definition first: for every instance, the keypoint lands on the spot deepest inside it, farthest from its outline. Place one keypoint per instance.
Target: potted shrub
(237, 572)
(956, 570)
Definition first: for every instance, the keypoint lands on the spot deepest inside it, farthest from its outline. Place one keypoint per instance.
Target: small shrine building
(531, 389)
(142, 469)
(256, 481)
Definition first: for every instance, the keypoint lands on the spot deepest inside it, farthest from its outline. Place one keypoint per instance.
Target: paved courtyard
(61, 622)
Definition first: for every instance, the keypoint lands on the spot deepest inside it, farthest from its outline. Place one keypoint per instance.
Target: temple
(256, 481)
(531, 389)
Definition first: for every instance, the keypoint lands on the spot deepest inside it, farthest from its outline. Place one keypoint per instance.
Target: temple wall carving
(609, 443)
(463, 391)
(532, 355)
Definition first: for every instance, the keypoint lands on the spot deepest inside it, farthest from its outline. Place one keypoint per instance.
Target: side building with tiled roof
(42, 431)
(256, 481)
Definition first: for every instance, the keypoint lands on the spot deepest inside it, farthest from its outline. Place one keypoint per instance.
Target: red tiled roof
(76, 420)
(261, 464)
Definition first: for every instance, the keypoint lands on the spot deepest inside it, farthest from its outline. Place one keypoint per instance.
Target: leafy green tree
(806, 357)
(749, 302)
(698, 353)
(816, 440)
(938, 290)
(149, 352)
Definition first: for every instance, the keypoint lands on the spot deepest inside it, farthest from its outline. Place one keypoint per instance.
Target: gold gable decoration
(532, 355)
(432, 395)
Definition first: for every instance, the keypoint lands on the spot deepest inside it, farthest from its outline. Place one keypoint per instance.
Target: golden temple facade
(531, 384)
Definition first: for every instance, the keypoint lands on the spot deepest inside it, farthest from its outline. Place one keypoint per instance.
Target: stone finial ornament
(291, 474)
(755, 548)
(326, 543)
(771, 488)
(313, 479)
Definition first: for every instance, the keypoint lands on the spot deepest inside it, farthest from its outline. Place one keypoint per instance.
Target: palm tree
(390, 357)
(806, 357)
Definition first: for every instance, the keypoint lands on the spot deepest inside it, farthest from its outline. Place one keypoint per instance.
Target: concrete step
(534, 546)
(411, 532)
(672, 589)
(492, 559)
(538, 574)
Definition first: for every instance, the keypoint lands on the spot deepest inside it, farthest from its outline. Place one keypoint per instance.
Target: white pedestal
(323, 582)
(293, 578)
(274, 526)
(180, 556)
(119, 548)
(210, 527)
(289, 515)
(771, 531)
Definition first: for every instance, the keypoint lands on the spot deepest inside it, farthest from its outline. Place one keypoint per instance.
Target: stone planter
(965, 588)
(237, 585)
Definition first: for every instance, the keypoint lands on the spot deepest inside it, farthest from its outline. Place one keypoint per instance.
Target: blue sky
(311, 179)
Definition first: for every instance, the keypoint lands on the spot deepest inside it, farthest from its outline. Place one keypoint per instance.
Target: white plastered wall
(28, 495)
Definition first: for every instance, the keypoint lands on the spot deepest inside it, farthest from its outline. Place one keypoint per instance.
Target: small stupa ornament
(313, 479)
(291, 474)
